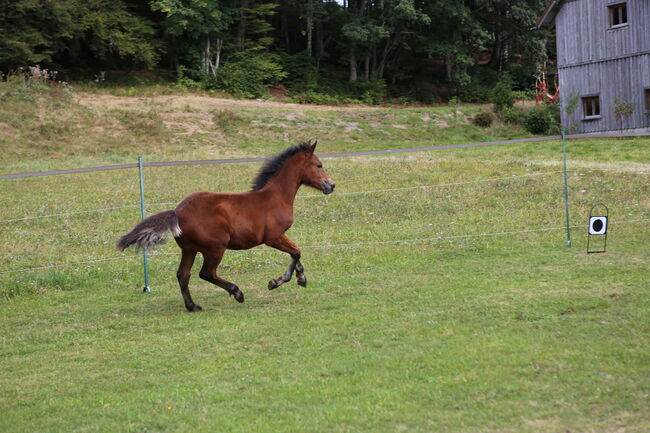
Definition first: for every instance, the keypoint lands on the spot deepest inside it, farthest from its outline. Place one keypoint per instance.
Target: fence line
(67, 213)
(438, 185)
(609, 134)
(348, 244)
(61, 265)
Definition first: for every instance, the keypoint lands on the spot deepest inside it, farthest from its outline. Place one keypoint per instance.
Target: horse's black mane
(274, 163)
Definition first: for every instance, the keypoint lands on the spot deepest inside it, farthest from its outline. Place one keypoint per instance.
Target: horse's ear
(313, 146)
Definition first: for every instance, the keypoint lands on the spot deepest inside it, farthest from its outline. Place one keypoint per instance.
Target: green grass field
(480, 331)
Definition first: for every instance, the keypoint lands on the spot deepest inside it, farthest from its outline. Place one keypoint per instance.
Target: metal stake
(566, 194)
(146, 289)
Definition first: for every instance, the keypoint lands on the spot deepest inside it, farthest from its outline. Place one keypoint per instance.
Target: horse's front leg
(284, 244)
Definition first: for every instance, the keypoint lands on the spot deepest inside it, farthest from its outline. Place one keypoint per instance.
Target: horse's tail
(151, 231)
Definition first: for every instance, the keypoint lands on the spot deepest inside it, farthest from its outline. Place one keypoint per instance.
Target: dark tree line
(419, 48)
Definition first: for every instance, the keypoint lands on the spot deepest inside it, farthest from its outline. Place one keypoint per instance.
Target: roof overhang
(547, 19)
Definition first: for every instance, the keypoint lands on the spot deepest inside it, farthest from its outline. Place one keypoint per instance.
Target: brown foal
(211, 223)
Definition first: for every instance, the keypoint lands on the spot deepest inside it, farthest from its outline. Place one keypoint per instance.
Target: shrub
(30, 83)
(227, 120)
(302, 72)
(502, 96)
(483, 119)
(371, 92)
(538, 121)
(184, 83)
(554, 111)
(250, 76)
(513, 115)
(312, 97)
(524, 95)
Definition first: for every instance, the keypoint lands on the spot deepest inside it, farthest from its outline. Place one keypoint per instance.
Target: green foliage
(501, 96)
(524, 95)
(250, 76)
(622, 108)
(371, 92)
(424, 50)
(312, 97)
(36, 31)
(512, 115)
(539, 120)
(483, 119)
(194, 18)
(302, 72)
(30, 83)
(32, 32)
(570, 104)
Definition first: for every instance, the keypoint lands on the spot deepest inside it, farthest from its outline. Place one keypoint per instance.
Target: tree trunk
(241, 28)
(213, 66)
(320, 45)
(173, 55)
(366, 66)
(384, 57)
(284, 28)
(217, 60)
(353, 66)
(205, 60)
(449, 67)
(310, 18)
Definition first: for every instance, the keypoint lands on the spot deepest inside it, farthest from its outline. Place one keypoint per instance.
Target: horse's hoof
(302, 282)
(194, 308)
(273, 284)
(239, 296)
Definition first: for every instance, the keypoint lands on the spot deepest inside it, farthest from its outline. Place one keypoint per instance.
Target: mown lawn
(502, 332)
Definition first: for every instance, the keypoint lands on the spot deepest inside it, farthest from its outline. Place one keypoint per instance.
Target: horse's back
(232, 220)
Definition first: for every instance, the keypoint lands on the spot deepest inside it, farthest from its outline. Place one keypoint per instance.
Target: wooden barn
(603, 59)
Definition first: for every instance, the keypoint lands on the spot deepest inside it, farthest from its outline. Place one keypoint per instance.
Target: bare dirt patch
(205, 103)
(7, 131)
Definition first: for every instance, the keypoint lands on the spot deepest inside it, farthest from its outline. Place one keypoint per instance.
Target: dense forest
(427, 50)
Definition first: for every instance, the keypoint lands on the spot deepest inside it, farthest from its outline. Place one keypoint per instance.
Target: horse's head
(314, 174)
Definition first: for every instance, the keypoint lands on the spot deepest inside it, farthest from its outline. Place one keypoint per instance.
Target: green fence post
(566, 194)
(146, 289)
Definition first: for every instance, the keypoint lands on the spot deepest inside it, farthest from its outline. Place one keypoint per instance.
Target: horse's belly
(244, 241)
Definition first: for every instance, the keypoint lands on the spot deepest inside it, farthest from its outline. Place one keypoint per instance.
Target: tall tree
(203, 21)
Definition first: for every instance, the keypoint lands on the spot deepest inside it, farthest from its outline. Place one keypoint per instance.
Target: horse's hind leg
(183, 275)
(209, 273)
(300, 274)
(284, 244)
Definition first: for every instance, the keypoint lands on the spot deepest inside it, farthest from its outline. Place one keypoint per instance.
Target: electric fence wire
(335, 245)
(308, 196)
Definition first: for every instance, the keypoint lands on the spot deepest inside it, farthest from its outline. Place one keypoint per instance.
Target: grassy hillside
(48, 127)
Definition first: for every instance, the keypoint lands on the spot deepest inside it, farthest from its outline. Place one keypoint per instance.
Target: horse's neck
(284, 186)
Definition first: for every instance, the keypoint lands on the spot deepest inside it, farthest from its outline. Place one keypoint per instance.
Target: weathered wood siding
(594, 59)
(625, 79)
(584, 33)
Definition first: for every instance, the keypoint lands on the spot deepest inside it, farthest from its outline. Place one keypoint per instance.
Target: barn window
(591, 107)
(618, 15)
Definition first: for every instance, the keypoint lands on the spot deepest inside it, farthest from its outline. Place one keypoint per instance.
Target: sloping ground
(46, 129)
(182, 101)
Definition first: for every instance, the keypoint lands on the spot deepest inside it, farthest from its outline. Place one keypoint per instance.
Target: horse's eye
(319, 166)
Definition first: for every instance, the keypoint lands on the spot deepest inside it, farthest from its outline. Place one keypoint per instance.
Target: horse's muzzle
(328, 187)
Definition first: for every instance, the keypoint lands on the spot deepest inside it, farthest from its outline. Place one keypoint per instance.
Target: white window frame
(584, 101)
(616, 9)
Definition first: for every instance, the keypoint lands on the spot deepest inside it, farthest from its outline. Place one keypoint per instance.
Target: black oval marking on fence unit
(597, 227)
